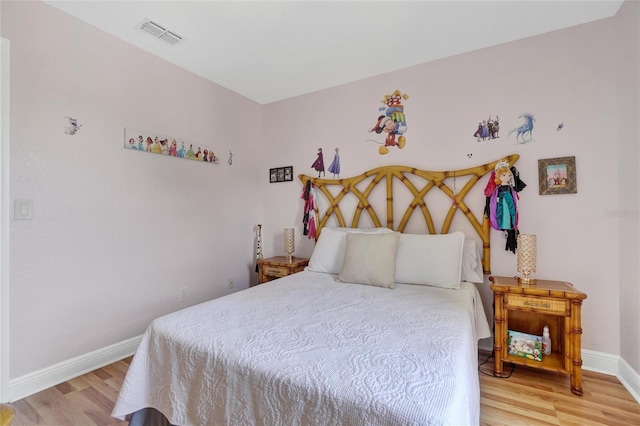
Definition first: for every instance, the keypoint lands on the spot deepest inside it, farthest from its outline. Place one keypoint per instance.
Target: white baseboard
(600, 362)
(613, 365)
(47, 377)
(37, 381)
(630, 379)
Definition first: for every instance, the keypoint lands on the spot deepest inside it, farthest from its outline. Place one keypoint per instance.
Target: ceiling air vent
(159, 31)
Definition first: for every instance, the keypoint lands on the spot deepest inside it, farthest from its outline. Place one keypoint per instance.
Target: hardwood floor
(532, 397)
(84, 401)
(528, 397)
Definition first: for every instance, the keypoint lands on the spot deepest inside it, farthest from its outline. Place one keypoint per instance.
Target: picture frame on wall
(281, 174)
(557, 176)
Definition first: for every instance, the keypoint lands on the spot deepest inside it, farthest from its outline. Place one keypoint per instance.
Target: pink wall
(566, 76)
(628, 111)
(116, 234)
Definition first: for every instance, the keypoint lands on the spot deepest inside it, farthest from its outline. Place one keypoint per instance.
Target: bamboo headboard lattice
(402, 174)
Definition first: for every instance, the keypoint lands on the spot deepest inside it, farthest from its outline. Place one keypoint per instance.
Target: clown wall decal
(391, 121)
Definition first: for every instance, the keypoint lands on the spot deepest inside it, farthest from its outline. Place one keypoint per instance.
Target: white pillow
(328, 255)
(434, 260)
(370, 259)
(472, 262)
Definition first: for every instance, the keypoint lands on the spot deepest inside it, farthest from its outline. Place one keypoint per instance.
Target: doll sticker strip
(155, 143)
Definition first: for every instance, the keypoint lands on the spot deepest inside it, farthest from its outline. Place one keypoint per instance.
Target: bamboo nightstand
(528, 309)
(278, 267)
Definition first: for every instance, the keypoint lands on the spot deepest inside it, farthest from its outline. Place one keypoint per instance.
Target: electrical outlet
(184, 294)
(230, 283)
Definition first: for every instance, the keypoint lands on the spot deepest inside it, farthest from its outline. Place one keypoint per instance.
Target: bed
(380, 329)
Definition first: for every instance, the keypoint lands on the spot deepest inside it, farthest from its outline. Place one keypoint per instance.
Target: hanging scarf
(308, 219)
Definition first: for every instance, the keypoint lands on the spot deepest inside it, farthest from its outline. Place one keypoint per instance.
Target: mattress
(307, 350)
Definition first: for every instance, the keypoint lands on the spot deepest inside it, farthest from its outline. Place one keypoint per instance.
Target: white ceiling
(273, 50)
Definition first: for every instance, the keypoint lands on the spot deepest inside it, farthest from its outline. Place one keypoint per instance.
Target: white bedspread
(306, 350)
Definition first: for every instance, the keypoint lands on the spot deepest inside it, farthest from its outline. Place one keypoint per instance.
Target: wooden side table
(528, 309)
(278, 267)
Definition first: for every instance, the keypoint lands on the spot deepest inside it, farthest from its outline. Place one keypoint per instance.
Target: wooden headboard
(417, 184)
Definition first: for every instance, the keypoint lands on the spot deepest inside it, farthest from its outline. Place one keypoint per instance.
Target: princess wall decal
(155, 143)
(318, 165)
(334, 167)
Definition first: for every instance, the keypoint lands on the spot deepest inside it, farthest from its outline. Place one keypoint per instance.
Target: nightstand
(528, 309)
(278, 267)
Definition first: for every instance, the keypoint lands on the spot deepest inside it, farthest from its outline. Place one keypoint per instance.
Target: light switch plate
(23, 209)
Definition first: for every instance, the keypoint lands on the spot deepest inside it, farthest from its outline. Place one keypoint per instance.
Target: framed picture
(557, 176)
(288, 173)
(281, 174)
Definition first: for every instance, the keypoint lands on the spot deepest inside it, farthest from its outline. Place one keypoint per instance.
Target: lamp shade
(289, 242)
(527, 254)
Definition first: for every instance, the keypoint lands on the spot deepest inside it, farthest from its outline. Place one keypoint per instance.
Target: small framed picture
(557, 176)
(281, 174)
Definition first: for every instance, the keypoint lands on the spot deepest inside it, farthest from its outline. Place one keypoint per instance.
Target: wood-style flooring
(84, 401)
(528, 397)
(533, 397)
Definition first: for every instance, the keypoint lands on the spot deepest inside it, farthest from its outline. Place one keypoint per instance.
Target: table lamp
(526, 254)
(289, 243)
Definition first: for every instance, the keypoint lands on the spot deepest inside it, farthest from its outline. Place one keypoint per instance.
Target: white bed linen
(307, 350)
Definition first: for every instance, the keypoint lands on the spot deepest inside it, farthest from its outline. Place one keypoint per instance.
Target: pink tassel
(312, 227)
